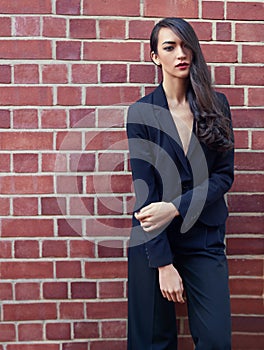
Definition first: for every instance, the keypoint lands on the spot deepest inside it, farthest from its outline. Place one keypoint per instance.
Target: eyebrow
(168, 42)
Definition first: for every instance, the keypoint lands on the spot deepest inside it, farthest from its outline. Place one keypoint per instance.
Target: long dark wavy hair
(212, 116)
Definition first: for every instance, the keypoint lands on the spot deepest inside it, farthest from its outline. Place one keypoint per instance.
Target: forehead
(166, 34)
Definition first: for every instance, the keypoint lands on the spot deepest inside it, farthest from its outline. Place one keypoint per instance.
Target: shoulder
(223, 103)
(137, 110)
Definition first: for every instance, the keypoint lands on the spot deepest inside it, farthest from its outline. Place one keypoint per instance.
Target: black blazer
(195, 183)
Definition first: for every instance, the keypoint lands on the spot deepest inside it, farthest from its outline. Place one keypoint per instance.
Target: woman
(181, 154)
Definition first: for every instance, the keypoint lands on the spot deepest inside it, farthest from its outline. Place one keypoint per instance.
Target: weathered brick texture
(68, 71)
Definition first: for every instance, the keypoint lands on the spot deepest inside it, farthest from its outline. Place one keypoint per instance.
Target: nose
(180, 53)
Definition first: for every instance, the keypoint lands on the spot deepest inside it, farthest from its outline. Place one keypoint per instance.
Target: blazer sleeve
(143, 173)
(212, 189)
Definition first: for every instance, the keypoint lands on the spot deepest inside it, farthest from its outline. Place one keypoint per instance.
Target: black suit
(195, 184)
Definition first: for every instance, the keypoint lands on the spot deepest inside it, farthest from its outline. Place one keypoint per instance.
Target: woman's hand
(171, 285)
(156, 215)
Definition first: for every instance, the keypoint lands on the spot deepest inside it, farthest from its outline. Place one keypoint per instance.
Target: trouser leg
(205, 280)
(151, 318)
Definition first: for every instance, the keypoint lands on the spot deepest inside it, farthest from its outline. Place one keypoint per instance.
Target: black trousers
(152, 318)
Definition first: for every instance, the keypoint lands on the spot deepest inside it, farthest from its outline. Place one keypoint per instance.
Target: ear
(155, 58)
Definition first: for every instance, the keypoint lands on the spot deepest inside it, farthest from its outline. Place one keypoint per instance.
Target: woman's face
(173, 55)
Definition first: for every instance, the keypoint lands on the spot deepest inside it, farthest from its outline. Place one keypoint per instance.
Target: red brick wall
(68, 69)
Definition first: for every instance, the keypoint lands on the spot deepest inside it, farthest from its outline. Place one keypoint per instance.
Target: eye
(168, 48)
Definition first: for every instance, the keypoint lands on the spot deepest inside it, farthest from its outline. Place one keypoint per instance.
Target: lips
(182, 65)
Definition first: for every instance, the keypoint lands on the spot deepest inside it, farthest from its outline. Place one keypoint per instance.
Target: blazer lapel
(167, 125)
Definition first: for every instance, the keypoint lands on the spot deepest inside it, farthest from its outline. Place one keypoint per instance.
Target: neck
(175, 90)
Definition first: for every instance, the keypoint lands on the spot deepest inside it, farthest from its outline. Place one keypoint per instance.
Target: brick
(107, 96)
(247, 118)
(248, 183)
(247, 306)
(257, 140)
(27, 291)
(81, 206)
(26, 270)
(4, 162)
(54, 249)
(249, 75)
(26, 185)
(26, 74)
(245, 224)
(55, 290)
(245, 246)
(53, 119)
(86, 330)
(82, 118)
(25, 6)
(27, 26)
(220, 53)
(4, 124)
(68, 269)
(248, 341)
(183, 8)
(248, 324)
(71, 140)
(111, 117)
(108, 184)
(83, 290)
(81, 249)
(213, 10)
(245, 267)
(113, 73)
(142, 73)
(245, 10)
(30, 332)
(117, 227)
(32, 311)
(112, 29)
(53, 206)
(5, 74)
(110, 205)
(84, 73)
(113, 309)
(80, 162)
(223, 31)
(251, 32)
(54, 162)
(26, 96)
(255, 97)
(25, 206)
(68, 7)
(222, 75)
(111, 290)
(25, 163)
(245, 286)
(71, 310)
(110, 162)
(69, 96)
(246, 203)
(235, 95)
(111, 269)
(25, 119)
(26, 249)
(6, 292)
(110, 249)
(111, 7)
(58, 331)
(55, 74)
(114, 329)
(203, 30)
(7, 332)
(140, 29)
(54, 27)
(26, 141)
(43, 346)
(25, 49)
(68, 50)
(82, 28)
(27, 227)
(108, 344)
(74, 346)
(252, 53)
(69, 184)
(5, 26)
(244, 162)
(69, 227)
(114, 51)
